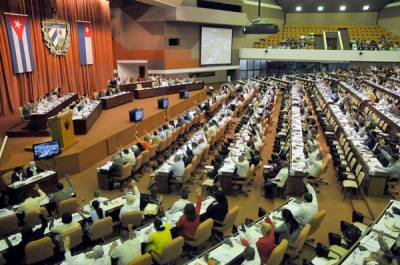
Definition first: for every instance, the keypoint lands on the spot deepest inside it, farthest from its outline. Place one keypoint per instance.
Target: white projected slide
(216, 46)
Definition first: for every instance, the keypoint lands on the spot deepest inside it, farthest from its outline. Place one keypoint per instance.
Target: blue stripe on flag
(12, 48)
(28, 37)
(81, 41)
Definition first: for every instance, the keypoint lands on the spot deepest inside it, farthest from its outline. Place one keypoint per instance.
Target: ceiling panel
(332, 5)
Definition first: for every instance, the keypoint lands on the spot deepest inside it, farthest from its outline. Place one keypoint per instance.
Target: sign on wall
(57, 35)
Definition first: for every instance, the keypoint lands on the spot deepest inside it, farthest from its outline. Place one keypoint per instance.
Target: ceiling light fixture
(366, 7)
(342, 8)
(320, 8)
(298, 8)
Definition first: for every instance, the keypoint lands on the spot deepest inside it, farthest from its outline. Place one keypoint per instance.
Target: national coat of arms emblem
(57, 35)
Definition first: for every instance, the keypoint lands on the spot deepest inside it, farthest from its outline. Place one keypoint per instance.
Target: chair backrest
(203, 232)
(6, 180)
(195, 161)
(134, 218)
(146, 156)
(101, 228)
(75, 235)
(32, 218)
(163, 145)
(278, 253)
(172, 251)
(8, 224)
(316, 221)
(360, 178)
(142, 260)
(301, 238)
(230, 219)
(138, 163)
(70, 205)
(126, 171)
(187, 173)
(251, 171)
(39, 250)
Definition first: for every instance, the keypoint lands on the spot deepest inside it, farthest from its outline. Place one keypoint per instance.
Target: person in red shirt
(190, 220)
(146, 142)
(266, 243)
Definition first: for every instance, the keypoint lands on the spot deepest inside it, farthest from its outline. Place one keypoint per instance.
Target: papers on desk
(106, 167)
(86, 111)
(297, 163)
(30, 180)
(46, 106)
(116, 95)
(389, 222)
(368, 244)
(108, 205)
(3, 245)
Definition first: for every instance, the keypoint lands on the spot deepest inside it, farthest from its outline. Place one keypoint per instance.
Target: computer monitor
(46, 150)
(184, 94)
(163, 103)
(136, 115)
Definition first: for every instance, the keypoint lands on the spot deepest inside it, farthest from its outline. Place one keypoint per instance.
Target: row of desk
(298, 167)
(386, 224)
(375, 177)
(231, 252)
(147, 92)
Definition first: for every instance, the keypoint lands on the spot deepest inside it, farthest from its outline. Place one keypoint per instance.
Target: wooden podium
(62, 129)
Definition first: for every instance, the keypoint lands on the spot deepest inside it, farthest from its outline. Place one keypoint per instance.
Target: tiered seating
(355, 33)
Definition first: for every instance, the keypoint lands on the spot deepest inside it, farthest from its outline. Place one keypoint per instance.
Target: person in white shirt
(283, 174)
(178, 168)
(95, 257)
(129, 205)
(197, 151)
(309, 207)
(129, 248)
(97, 197)
(314, 165)
(129, 157)
(180, 204)
(242, 165)
(250, 253)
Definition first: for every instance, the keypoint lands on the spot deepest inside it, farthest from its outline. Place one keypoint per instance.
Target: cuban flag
(85, 42)
(19, 37)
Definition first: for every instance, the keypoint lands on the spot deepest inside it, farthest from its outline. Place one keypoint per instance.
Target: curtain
(55, 71)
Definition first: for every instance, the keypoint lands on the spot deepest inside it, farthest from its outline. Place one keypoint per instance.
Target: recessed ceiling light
(320, 8)
(342, 8)
(366, 7)
(298, 8)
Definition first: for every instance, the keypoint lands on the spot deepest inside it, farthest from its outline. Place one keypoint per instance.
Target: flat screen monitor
(163, 103)
(46, 150)
(184, 94)
(136, 115)
(215, 46)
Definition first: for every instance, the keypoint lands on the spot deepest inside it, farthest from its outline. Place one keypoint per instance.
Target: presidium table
(109, 102)
(147, 92)
(38, 119)
(85, 119)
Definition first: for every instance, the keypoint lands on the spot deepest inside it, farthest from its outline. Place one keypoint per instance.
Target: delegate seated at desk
(242, 165)
(178, 167)
(128, 249)
(95, 257)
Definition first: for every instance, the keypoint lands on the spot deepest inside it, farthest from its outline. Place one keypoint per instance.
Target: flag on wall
(85, 42)
(19, 37)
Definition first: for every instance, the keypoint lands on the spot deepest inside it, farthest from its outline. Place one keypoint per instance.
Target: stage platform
(112, 130)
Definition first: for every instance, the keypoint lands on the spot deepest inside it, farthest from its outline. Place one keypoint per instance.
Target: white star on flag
(87, 29)
(17, 24)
